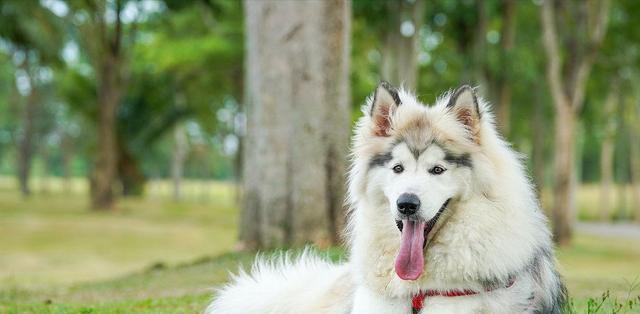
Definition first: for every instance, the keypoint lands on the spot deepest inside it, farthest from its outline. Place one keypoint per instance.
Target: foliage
(186, 59)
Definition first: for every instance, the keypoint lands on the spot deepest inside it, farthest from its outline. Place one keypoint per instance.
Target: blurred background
(148, 147)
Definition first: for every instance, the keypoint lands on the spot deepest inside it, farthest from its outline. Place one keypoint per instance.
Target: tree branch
(554, 64)
(596, 32)
(117, 36)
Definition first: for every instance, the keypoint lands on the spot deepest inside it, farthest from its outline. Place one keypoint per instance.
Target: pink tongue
(410, 259)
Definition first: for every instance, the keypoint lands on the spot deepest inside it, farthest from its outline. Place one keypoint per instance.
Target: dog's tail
(285, 284)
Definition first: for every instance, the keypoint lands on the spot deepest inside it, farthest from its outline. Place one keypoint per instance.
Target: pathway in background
(623, 229)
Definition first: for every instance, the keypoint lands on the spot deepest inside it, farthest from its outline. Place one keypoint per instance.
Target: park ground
(155, 255)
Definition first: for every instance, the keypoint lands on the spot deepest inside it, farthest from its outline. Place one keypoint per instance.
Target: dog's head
(413, 161)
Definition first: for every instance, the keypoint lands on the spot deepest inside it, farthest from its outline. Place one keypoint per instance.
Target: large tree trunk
(507, 38)
(298, 122)
(564, 189)
(177, 161)
(109, 93)
(402, 42)
(567, 84)
(108, 65)
(606, 154)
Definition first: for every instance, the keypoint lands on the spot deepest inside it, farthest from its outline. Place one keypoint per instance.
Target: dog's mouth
(410, 260)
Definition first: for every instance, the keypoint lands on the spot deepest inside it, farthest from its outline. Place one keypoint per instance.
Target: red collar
(417, 303)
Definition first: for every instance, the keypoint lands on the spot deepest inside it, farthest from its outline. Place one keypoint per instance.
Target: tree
(507, 39)
(607, 150)
(538, 141)
(33, 37)
(298, 121)
(26, 140)
(108, 63)
(570, 56)
(101, 34)
(401, 42)
(180, 150)
(633, 114)
(189, 47)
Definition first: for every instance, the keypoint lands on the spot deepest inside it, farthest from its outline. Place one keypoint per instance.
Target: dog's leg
(367, 302)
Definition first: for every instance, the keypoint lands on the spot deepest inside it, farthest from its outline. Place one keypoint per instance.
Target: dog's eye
(398, 168)
(437, 170)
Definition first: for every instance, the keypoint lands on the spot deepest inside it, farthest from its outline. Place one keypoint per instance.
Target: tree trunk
(26, 141)
(131, 177)
(109, 93)
(478, 53)
(297, 101)
(67, 157)
(539, 133)
(634, 155)
(44, 181)
(567, 85)
(606, 154)
(564, 188)
(606, 177)
(402, 42)
(507, 38)
(177, 162)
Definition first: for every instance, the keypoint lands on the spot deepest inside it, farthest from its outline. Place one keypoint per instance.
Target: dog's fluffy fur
(491, 232)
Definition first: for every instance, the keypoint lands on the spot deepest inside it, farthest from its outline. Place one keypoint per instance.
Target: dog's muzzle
(431, 222)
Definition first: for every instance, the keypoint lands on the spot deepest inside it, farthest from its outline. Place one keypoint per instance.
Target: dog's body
(469, 222)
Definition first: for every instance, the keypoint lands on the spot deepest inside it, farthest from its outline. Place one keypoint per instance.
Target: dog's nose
(408, 203)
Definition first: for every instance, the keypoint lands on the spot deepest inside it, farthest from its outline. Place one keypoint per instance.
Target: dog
(443, 219)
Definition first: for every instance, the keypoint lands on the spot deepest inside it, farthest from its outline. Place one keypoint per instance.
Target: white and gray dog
(443, 220)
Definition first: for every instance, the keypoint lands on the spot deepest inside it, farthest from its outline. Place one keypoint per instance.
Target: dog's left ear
(385, 102)
(464, 104)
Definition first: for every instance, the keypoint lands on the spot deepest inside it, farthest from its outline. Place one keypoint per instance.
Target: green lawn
(154, 255)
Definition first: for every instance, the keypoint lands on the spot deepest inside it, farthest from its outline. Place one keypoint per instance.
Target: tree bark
(67, 158)
(567, 85)
(26, 141)
(177, 162)
(109, 93)
(44, 181)
(131, 177)
(109, 76)
(297, 102)
(26, 146)
(400, 50)
(606, 154)
(634, 155)
(539, 133)
(479, 75)
(564, 189)
(507, 39)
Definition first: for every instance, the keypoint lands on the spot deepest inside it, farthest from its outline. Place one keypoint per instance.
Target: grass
(39, 235)
(154, 255)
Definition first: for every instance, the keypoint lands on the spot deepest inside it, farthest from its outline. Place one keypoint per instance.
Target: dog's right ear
(385, 102)
(463, 102)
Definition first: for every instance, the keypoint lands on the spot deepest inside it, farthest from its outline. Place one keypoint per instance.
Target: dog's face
(418, 182)
(420, 159)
